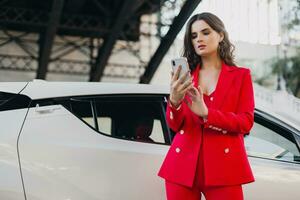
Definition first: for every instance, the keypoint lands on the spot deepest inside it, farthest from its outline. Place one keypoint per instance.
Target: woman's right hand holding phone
(179, 86)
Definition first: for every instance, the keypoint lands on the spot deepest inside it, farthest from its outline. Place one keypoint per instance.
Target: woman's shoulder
(241, 69)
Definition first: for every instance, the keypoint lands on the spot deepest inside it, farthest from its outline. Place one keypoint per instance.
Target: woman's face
(205, 40)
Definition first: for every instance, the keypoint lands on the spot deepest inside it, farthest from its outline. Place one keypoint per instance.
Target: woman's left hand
(197, 105)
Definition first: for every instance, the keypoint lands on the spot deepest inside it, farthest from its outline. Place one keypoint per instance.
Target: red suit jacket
(230, 116)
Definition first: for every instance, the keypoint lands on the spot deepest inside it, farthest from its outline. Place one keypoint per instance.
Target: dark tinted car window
(132, 118)
(10, 101)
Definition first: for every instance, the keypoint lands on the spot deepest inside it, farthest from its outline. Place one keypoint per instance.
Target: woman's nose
(199, 38)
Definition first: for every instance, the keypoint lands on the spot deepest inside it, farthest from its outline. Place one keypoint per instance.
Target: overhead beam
(101, 8)
(166, 42)
(106, 48)
(47, 38)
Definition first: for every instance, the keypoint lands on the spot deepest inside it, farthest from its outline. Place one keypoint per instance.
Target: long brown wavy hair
(225, 48)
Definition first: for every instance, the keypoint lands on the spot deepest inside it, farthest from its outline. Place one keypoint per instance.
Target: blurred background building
(134, 40)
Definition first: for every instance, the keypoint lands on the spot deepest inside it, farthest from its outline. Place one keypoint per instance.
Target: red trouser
(179, 192)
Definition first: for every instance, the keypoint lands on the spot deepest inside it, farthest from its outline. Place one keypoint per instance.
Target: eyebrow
(205, 29)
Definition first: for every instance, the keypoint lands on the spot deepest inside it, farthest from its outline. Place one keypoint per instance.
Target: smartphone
(176, 62)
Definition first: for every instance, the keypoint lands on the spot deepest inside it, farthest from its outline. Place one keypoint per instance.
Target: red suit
(221, 135)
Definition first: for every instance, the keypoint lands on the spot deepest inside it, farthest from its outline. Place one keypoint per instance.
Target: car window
(83, 110)
(266, 143)
(132, 118)
(10, 101)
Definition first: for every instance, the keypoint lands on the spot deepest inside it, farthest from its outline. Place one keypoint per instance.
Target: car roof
(12, 87)
(40, 89)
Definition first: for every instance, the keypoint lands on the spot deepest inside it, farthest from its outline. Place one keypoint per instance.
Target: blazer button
(226, 150)
(171, 115)
(224, 131)
(177, 150)
(211, 98)
(181, 132)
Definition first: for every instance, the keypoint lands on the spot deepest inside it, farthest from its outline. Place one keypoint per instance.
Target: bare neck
(211, 62)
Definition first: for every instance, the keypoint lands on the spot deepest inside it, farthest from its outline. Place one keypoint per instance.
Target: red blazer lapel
(225, 80)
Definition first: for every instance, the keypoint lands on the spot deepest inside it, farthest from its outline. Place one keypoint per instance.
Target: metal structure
(47, 32)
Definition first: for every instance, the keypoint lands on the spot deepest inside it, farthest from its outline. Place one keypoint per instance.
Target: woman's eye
(206, 33)
(194, 36)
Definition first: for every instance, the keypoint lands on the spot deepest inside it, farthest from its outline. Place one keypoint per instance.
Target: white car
(105, 141)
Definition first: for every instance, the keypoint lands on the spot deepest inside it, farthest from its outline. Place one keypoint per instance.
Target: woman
(210, 113)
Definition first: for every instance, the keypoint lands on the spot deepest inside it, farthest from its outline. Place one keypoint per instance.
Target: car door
(273, 151)
(13, 110)
(103, 147)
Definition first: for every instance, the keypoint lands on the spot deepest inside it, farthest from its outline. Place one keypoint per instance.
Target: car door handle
(45, 109)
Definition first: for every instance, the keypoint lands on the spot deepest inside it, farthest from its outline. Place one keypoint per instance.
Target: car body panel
(276, 180)
(11, 183)
(12, 87)
(63, 158)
